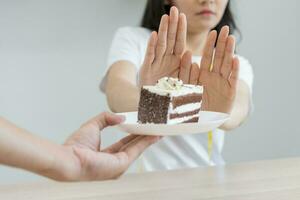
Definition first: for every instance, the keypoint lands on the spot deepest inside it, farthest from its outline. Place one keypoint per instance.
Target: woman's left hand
(220, 81)
(218, 72)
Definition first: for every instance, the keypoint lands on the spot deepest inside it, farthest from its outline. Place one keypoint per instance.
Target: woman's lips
(206, 13)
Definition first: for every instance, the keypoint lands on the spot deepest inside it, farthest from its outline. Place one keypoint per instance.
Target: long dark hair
(155, 9)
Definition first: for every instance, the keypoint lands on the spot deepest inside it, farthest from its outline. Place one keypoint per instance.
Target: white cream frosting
(169, 83)
(185, 108)
(173, 87)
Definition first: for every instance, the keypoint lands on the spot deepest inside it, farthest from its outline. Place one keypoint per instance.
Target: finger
(194, 74)
(208, 51)
(201, 77)
(172, 30)
(117, 146)
(220, 49)
(122, 160)
(228, 57)
(234, 77)
(105, 119)
(185, 67)
(150, 52)
(181, 35)
(134, 149)
(162, 38)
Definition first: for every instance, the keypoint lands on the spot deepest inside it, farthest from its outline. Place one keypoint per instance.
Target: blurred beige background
(53, 53)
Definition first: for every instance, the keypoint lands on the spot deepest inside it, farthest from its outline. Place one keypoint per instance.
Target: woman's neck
(195, 42)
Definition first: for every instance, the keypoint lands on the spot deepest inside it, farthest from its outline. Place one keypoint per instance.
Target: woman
(182, 40)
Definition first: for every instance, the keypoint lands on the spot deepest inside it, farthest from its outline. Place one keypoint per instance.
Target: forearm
(240, 109)
(121, 90)
(19, 148)
(123, 96)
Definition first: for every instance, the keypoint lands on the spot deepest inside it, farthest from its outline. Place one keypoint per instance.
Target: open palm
(219, 72)
(165, 49)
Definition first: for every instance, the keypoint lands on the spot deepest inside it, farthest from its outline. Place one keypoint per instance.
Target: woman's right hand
(165, 49)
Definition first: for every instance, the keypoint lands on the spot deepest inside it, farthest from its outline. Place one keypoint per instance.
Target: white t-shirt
(173, 152)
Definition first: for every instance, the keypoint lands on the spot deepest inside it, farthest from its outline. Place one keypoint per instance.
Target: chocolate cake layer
(153, 108)
(195, 119)
(189, 113)
(182, 100)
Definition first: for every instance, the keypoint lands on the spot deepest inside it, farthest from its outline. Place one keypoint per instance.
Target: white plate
(207, 121)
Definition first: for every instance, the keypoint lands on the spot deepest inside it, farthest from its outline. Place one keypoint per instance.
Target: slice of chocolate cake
(169, 102)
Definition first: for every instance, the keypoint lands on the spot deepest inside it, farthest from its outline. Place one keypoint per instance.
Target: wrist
(63, 165)
(230, 124)
(227, 126)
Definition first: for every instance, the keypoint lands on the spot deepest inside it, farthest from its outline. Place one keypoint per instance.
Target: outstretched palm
(219, 72)
(218, 94)
(165, 49)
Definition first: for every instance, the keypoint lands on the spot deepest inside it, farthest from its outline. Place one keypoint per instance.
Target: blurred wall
(53, 55)
(270, 30)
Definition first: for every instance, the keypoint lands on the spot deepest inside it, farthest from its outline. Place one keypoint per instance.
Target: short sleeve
(246, 72)
(246, 75)
(124, 46)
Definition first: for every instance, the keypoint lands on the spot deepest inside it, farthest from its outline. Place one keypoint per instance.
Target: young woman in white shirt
(184, 39)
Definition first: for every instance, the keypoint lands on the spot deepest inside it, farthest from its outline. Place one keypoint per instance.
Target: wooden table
(275, 179)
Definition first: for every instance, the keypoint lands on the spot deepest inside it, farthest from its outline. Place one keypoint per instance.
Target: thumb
(106, 119)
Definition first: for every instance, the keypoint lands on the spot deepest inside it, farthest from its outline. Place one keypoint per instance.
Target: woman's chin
(200, 27)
